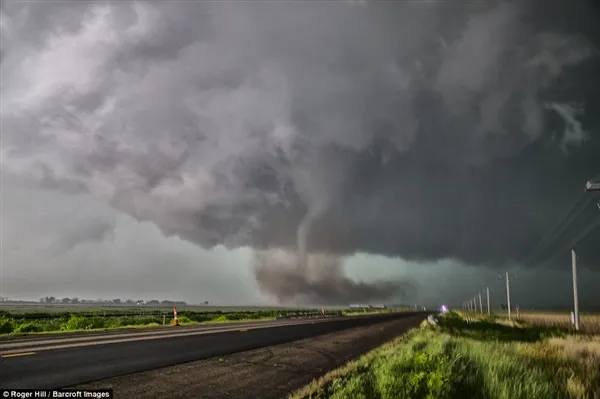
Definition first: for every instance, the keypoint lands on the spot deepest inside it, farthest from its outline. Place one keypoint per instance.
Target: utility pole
(589, 187)
(507, 278)
(487, 290)
(575, 293)
(508, 294)
(480, 305)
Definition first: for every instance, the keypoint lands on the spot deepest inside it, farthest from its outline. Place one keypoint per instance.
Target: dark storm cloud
(421, 130)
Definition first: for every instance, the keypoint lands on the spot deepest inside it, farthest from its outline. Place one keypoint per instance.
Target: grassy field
(470, 359)
(590, 322)
(71, 318)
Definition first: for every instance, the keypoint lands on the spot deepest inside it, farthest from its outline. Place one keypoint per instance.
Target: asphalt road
(126, 331)
(57, 366)
(15, 344)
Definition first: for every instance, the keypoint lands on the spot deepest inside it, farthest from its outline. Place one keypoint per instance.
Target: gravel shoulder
(268, 373)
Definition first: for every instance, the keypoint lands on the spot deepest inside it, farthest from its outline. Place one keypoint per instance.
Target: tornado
(303, 231)
(302, 278)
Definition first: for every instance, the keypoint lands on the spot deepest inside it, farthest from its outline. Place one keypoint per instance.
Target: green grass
(358, 312)
(55, 322)
(459, 359)
(75, 322)
(82, 328)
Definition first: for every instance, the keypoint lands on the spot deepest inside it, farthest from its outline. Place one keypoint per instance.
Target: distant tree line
(50, 300)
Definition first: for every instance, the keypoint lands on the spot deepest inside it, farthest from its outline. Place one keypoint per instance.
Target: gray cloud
(418, 130)
(92, 230)
(49, 249)
(32, 222)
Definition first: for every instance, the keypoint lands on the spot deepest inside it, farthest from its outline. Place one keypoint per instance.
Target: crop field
(474, 358)
(70, 318)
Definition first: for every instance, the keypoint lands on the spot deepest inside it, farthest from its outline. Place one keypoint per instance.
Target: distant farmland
(66, 319)
(42, 318)
(99, 307)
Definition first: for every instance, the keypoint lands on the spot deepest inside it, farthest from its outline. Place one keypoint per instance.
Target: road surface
(272, 372)
(57, 363)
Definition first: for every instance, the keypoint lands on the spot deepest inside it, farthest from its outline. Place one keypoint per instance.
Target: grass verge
(470, 359)
(76, 324)
(86, 328)
(18, 325)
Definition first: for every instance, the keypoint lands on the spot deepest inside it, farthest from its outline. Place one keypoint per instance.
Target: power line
(560, 228)
(573, 243)
(547, 242)
(589, 188)
(566, 221)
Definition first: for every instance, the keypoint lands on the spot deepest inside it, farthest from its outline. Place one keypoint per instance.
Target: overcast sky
(298, 152)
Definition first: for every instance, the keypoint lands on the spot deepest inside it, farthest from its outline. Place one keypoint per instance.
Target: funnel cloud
(310, 132)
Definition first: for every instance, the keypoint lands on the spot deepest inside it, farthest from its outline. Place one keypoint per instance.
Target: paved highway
(126, 331)
(15, 344)
(57, 363)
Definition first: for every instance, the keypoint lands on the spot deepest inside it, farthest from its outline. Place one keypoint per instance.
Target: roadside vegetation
(40, 322)
(464, 357)
(32, 322)
(358, 312)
